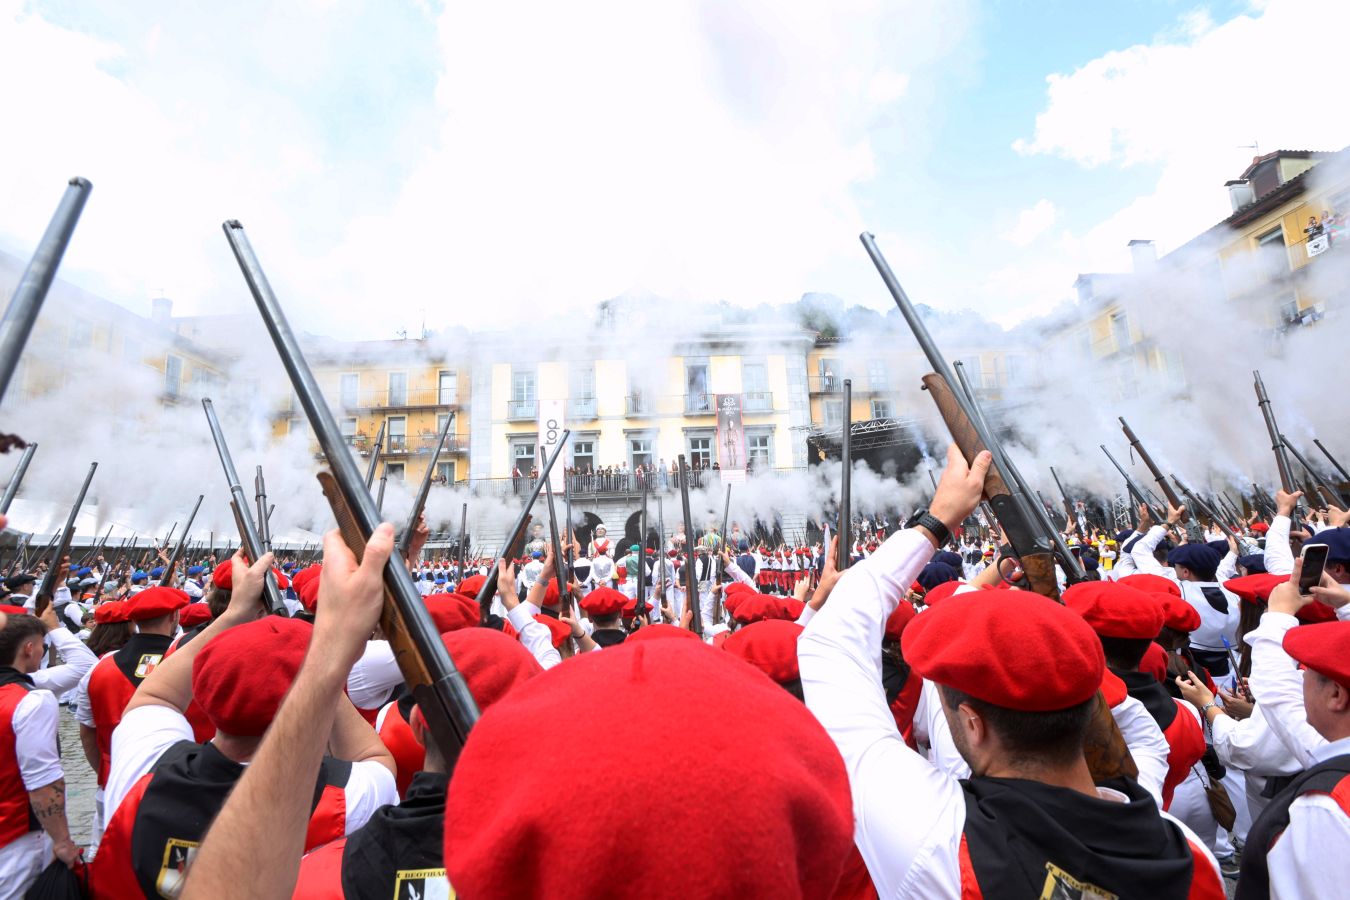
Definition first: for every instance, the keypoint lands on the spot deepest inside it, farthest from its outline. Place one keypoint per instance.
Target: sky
(476, 164)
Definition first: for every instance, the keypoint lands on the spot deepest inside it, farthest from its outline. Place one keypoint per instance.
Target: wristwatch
(932, 523)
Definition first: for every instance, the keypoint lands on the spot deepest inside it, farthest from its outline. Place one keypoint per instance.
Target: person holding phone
(1296, 848)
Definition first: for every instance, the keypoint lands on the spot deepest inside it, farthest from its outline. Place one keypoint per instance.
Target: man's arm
(89, 744)
(35, 720)
(1146, 743)
(75, 656)
(1142, 551)
(1276, 682)
(1279, 556)
(253, 848)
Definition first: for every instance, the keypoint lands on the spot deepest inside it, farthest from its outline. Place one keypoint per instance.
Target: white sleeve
(908, 816)
(534, 636)
(77, 659)
(138, 742)
(937, 734)
(35, 720)
(1142, 552)
(1227, 567)
(738, 574)
(1250, 745)
(1146, 743)
(808, 613)
(369, 787)
(84, 713)
(1308, 858)
(372, 678)
(1279, 558)
(1277, 685)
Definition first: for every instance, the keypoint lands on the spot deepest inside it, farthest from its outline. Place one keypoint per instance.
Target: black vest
(401, 845)
(1150, 692)
(1025, 837)
(1322, 778)
(129, 656)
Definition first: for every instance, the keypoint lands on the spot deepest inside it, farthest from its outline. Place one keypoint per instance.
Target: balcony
(429, 398)
(758, 401)
(619, 484)
(417, 445)
(522, 410)
(637, 405)
(698, 405)
(826, 384)
(582, 408)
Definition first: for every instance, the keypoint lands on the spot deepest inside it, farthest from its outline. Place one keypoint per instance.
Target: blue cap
(1124, 535)
(440, 579)
(1338, 540)
(536, 555)
(157, 571)
(743, 545)
(1221, 546)
(1202, 559)
(1254, 563)
(82, 571)
(948, 557)
(138, 575)
(287, 566)
(936, 573)
(195, 570)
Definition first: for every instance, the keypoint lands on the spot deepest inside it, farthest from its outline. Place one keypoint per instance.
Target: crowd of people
(704, 715)
(620, 479)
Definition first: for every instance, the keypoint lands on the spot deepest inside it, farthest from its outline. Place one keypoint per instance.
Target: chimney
(161, 310)
(1143, 257)
(1240, 193)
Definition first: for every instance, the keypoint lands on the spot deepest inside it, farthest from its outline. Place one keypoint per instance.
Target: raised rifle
(250, 536)
(20, 554)
(1264, 503)
(437, 686)
(17, 478)
(1345, 476)
(379, 497)
(727, 549)
(47, 590)
(263, 511)
(166, 580)
(845, 552)
(515, 540)
(1194, 532)
(1195, 500)
(24, 305)
(1069, 512)
(691, 597)
(463, 531)
(559, 564)
(93, 552)
(168, 539)
(1277, 443)
(1331, 495)
(375, 457)
(423, 491)
(640, 605)
(1105, 749)
(111, 570)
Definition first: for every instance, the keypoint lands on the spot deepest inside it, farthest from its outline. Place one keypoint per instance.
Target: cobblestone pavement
(80, 783)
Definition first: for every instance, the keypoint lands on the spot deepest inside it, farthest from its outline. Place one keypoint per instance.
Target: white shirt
(908, 815)
(375, 674)
(535, 636)
(1250, 744)
(77, 659)
(35, 719)
(147, 731)
(1309, 859)
(1279, 558)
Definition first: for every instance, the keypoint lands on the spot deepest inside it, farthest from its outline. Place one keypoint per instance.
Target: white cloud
(1031, 223)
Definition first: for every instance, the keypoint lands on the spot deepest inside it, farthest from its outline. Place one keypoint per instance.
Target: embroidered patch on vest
(422, 884)
(1060, 885)
(178, 855)
(146, 664)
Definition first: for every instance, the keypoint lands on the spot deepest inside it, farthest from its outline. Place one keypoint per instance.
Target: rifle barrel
(423, 490)
(1332, 495)
(375, 456)
(1133, 486)
(62, 545)
(690, 584)
(845, 554)
(165, 579)
(1327, 453)
(16, 479)
(24, 305)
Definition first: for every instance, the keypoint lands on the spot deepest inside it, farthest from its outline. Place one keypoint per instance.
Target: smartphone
(1314, 561)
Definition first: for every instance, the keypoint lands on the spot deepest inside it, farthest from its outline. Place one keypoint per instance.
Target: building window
(582, 391)
(755, 383)
(878, 376)
(445, 471)
(700, 452)
(834, 412)
(696, 399)
(1120, 330)
(829, 374)
(447, 388)
(393, 471)
(173, 374)
(396, 437)
(440, 423)
(759, 450)
(583, 455)
(398, 388)
(881, 409)
(522, 456)
(639, 452)
(522, 405)
(349, 429)
(347, 389)
(1272, 257)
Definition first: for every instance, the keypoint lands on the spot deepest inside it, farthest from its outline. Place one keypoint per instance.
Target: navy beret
(1337, 539)
(1124, 535)
(1220, 546)
(1201, 559)
(949, 557)
(936, 573)
(1254, 563)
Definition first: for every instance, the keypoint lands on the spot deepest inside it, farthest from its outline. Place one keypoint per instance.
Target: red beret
(240, 678)
(603, 601)
(770, 646)
(1259, 527)
(154, 602)
(1313, 613)
(451, 612)
(111, 611)
(1255, 587)
(223, 576)
(282, 581)
(1178, 615)
(551, 597)
(308, 591)
(299, 579)
(1154, 662)
(758, 607)
(941, 592)
(964, 644)
(737, 587)
(791, 822)
(1151, 584)
(896, 622)
(492, 662)
(193, 615)
(660, 630)
(1113, 688)
(792, 606)
(630, 607)
(1321, 647)
(558, 631)
(11, 610)
(470, 586)
(1115, 610)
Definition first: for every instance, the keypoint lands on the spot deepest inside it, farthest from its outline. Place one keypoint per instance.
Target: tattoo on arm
(49, 805)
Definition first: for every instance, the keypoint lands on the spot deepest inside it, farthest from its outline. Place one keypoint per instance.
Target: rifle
(166, 580)
(463, 526)
(264, 513)
(1194, 499)
(726, 548)
(20, 554)
(1105, 749)
(1069, 513)
(690, 584)
(661, 551)
(1193, 531)
(423, 490)
(112, 568)
(1325, 452)
(24, 305)
(47, 591)
(640, 606)
(375, 456)
(558, 562)
(17, 478)
(515, 540)
(95, 550)
(249, 536)
(436, 685)
(1264, 503)
(844, 555)
(379, 497)
(1276, 443)
(1332, 495)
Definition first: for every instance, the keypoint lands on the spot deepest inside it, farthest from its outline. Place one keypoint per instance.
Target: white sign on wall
(550, 433)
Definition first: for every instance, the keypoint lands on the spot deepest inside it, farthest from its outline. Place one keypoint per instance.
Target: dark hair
(217, 599)
(108, 636)
(1037, 737)
(608, 621)
(18, 629)
(1124, 653)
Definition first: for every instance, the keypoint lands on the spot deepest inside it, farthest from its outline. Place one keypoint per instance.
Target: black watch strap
(932, 523)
